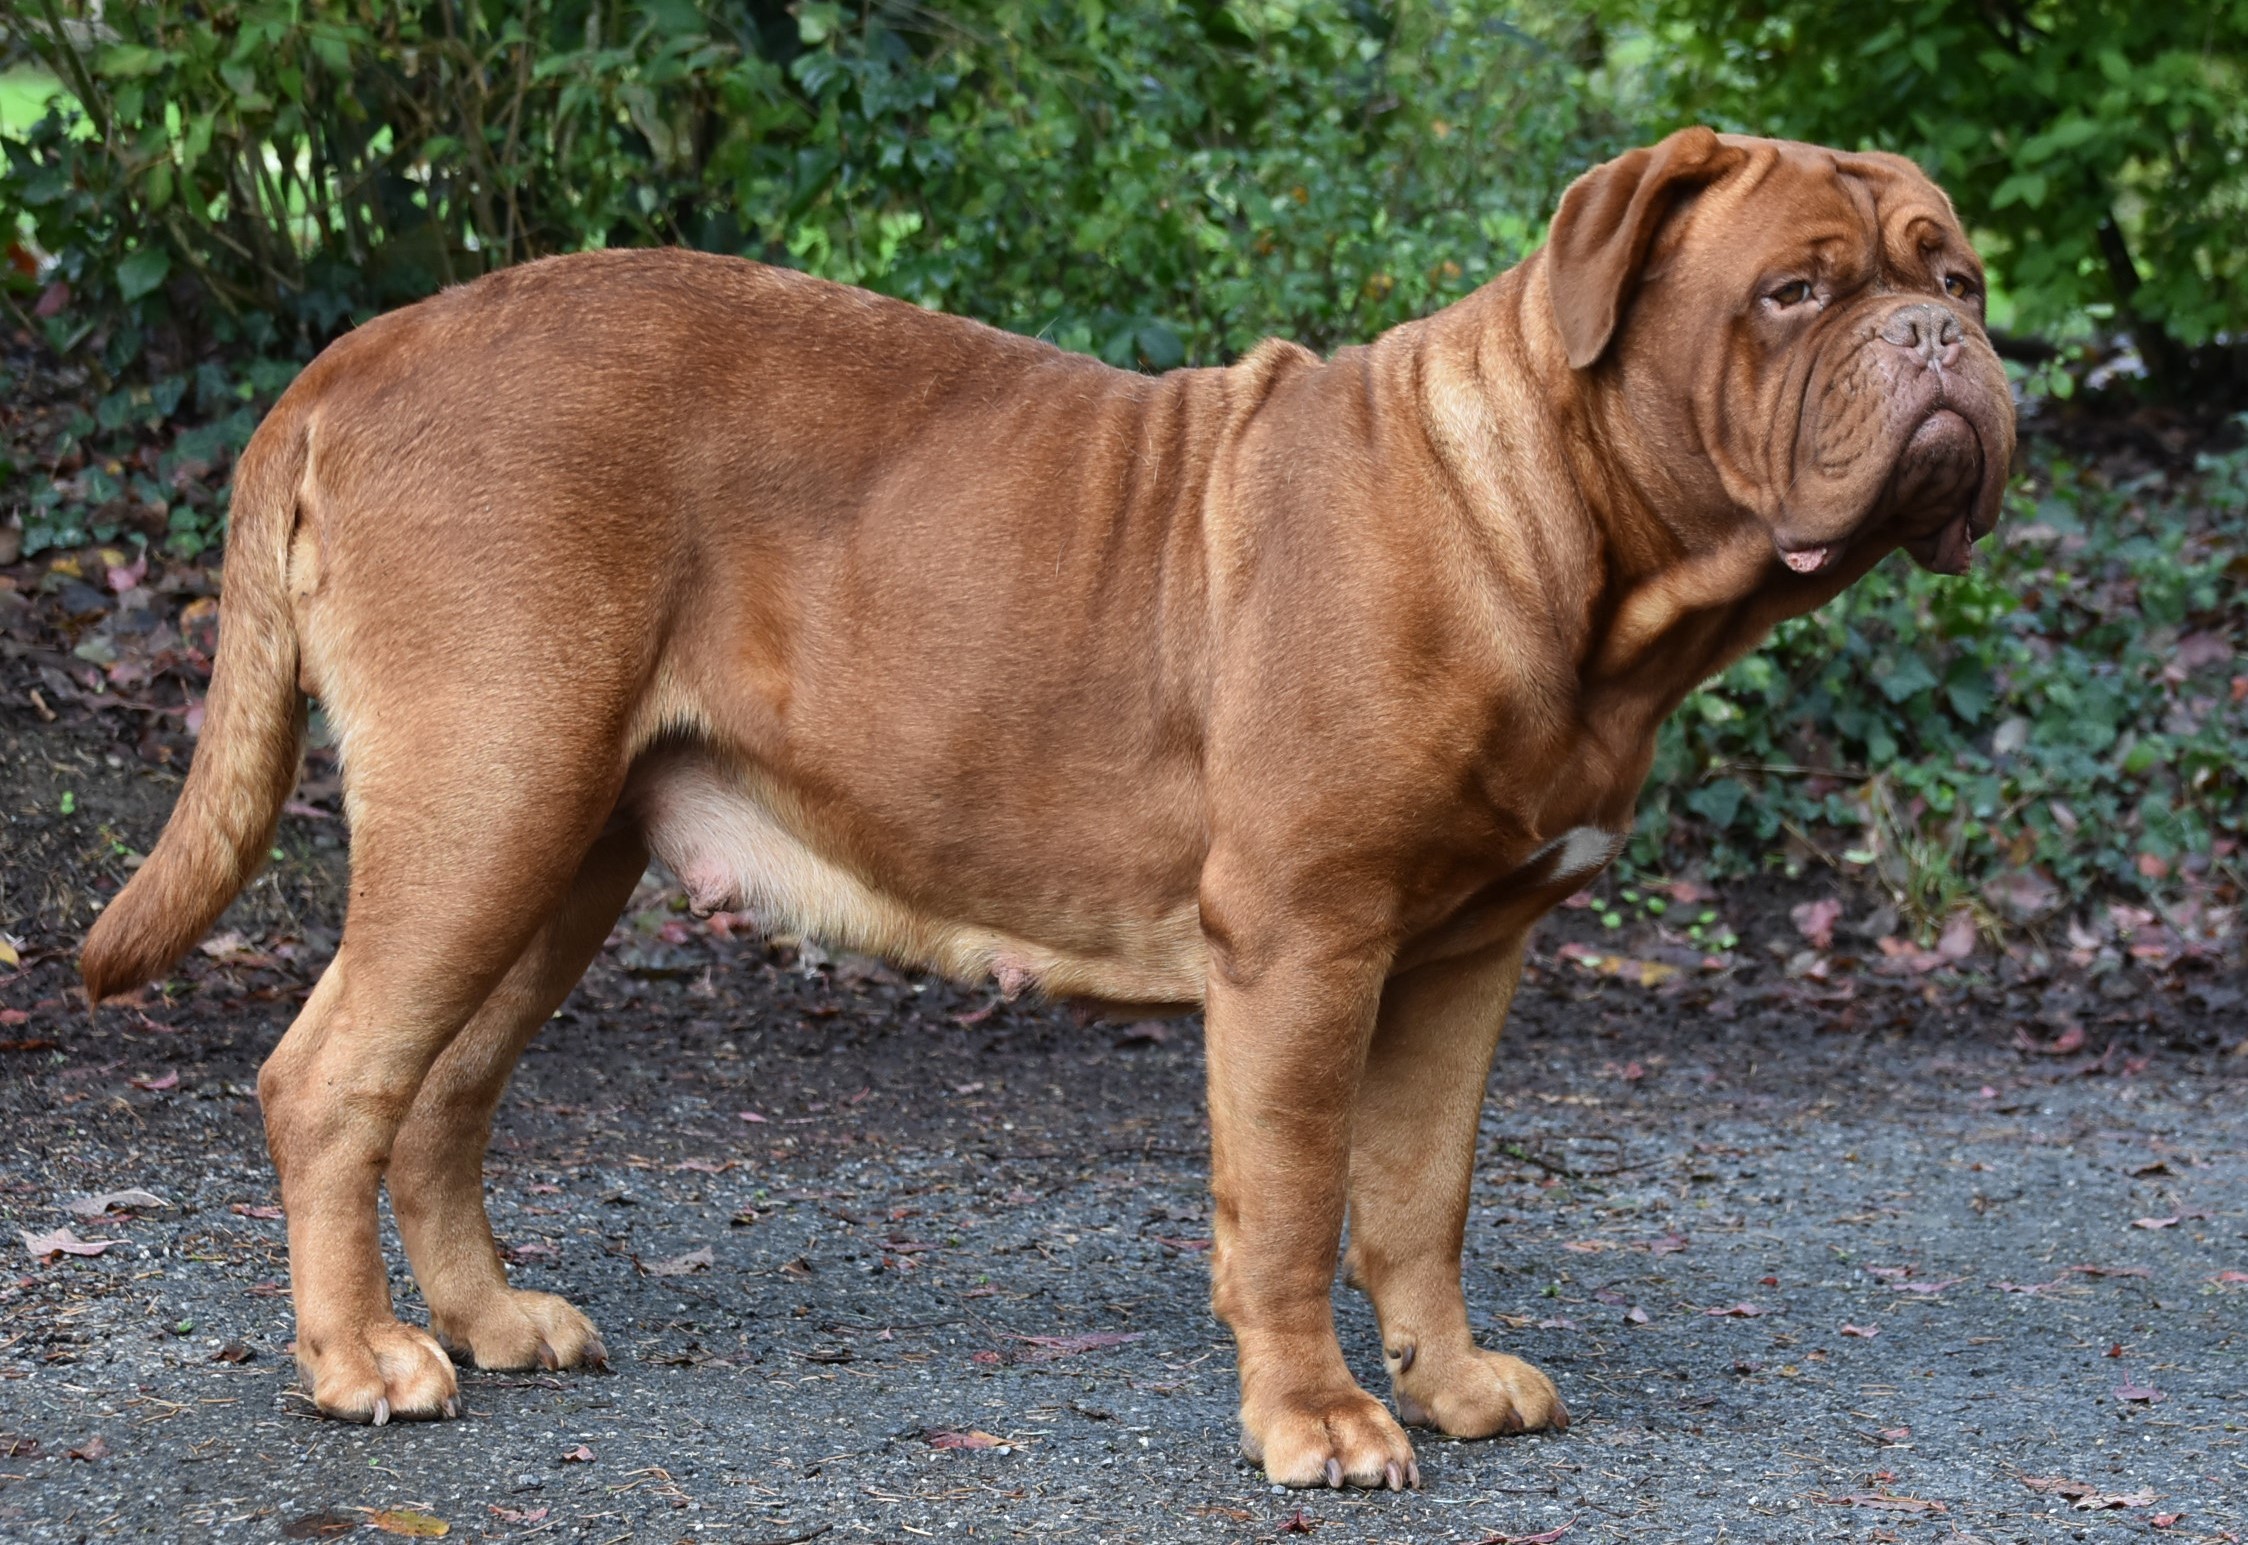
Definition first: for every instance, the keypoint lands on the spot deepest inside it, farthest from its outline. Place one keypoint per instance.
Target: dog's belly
(737, 843)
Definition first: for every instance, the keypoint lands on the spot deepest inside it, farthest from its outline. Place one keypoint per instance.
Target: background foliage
(2100, 146)
(216, 189)
(1152, 182)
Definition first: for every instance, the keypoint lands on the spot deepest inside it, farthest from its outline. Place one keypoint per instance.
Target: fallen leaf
(1815, 920)
(2165, 1520)
(974, 1438)
(233, 1352)
(1298, 1524)
(1925, 1287)
(8, 955)
(2058, 1486)
(1669, 1244)
(2153, 1223)
(1647, 973)
(1636, 1315)
(1958, 939)
(156, 1085)
(2101, 1501)
(405, 1521)
(95, 1447)
(252, 1210)
(16, 1445)
(681, 1265)
(581, 1455)
(2069, 1040)
(64, 1241)
(1862, 1332)
(112, 1201)
(1065, 1346)
(2130, 1390)
(1883, 1502)
(319, 1526)
(1737, 1312)
(517, 1515)
(2230, 1278)
(750, 1115)
(1545, 1538)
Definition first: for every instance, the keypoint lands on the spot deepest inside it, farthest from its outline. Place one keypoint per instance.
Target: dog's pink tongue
(1808, 560)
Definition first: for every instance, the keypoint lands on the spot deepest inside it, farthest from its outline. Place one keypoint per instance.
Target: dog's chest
(1522, 890)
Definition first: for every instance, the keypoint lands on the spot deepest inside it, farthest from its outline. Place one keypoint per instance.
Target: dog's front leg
(1287, 1039)
(1412, 1162)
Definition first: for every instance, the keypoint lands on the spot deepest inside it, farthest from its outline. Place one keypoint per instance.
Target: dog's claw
(1559, 1420)
(1413, 1474)
(1394, 1476)
(381, 1418)
(597, 1355)
(452, 1408)
(547, 1359)
(1334, 1475)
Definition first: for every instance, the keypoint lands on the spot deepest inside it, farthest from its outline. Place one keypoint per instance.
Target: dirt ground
(1822, 1241)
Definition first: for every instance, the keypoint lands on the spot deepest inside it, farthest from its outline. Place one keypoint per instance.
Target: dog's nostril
(1924, 330)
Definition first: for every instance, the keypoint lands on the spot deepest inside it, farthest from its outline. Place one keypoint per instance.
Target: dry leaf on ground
(112, 1201)
(63, 1241)
(681, 1265)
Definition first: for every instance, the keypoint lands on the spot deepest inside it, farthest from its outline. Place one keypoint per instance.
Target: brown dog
(1295, 689)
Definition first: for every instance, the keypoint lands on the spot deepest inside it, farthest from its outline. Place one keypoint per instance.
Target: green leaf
(128, 61)
(142, 271)
(817, 21)
(1908, 676)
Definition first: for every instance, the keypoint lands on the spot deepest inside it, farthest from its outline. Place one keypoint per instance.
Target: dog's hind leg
(437, 1164)
(1411, 1164)
(470, 819)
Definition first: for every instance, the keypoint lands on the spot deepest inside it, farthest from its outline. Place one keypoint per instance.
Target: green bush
(2070, 711)
(1153, 181)
(2099, 147)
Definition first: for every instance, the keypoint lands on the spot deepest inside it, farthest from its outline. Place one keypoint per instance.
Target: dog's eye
(1959, 287)
(1793, 293)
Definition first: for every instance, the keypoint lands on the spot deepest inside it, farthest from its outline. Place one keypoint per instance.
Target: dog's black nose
(1925, 329)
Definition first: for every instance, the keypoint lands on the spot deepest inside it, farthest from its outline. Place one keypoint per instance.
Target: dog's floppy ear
(1606, 223)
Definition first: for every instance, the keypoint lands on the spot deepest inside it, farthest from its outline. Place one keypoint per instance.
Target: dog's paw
(515, 1329)
(1476, 1394)
(1332, 1438)
(382, 1372)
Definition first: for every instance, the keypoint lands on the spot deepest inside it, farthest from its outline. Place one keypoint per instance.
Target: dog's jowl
(1297, 690)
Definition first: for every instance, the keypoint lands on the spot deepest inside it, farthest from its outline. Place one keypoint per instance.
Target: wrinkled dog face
(1849, 396)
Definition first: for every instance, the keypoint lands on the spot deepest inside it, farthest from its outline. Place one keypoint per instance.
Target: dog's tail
(253, 731)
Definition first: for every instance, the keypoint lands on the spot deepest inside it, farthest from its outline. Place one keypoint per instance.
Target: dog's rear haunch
(1297, 690)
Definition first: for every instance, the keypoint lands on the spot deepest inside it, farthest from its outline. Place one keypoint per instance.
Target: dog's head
(1791, 331)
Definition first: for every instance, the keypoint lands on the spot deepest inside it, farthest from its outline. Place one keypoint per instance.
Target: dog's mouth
(1939, 499)
(1936, 495)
